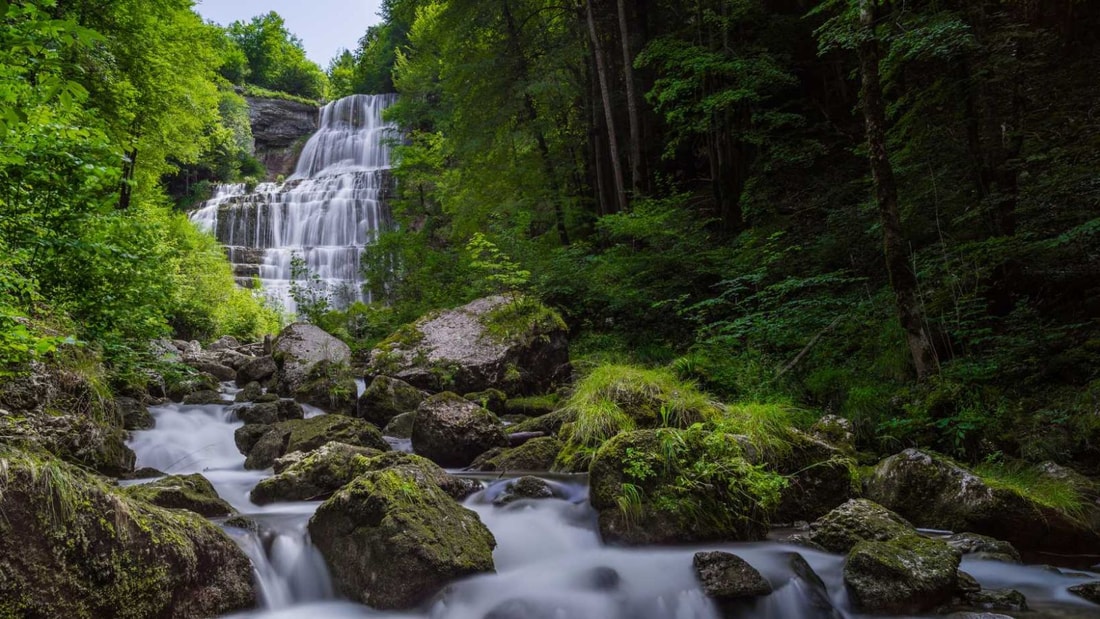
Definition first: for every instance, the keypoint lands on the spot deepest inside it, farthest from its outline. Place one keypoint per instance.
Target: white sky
(324, 26)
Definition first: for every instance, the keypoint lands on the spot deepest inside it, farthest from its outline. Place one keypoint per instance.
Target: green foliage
(276, 59)
(524, 319)
(501, 273)
(1056, 493)
(312, 296)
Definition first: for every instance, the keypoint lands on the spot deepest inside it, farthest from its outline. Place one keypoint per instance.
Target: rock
(812, 589)
(259, 370)
(392, 539)
(314, 476)
(135, 415)
(458, 488)
(330, 387)
(820, 477)
(524, 488)
(537, 455)
(309, 434)
(145, 472)
(204, 397)
(984, 547)
(191, 492)
(250, 392)
(178, 389)
(519, 347)
(549, 424)
(207, 364)
(601, 578)
(279, 129)
(726, 577)
(76, 437)
(225, 342)
(658, 509)
(401, 426)
(233, 359)
(298, 350)
(906, 575)
(856, 521)
(532, 406)
(386, 398)
(490, 399)
(267, 397)
(247, 436)
(997, 599)
(836, 431)
(935, 492)
(1089, 591)
(269, 412)
(71, 547)
(452, 431)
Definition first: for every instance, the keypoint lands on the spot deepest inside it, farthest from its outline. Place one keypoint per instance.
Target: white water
(549, 558)
(326, 214)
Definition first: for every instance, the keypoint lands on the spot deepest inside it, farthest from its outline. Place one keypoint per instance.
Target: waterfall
(326, 213)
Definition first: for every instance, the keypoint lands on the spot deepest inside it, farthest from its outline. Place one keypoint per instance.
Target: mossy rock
(727, 577)
(906, 575)
(490, 399)
(99, 445)
(72, 547)
(401, 426)
(526, 487)
(248, 435)
(821, 477)
(178, 387)
(267, 413)
(699, 494)
(452, 431)
(135, 415)
(386, 398)
(392, 539)
(536, 455)
(330, 387)
(984, 547)
(549, 424)
(531, 406)
(857, 521)
(309, 434)
(259, 370)
(249, 393)
(933, 491)
(203, 397)
(191, 492)
(313, 476)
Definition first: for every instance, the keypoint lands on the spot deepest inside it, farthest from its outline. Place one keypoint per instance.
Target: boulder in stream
(386, 398)
(516, 345)
(315, 475)
(1089, 591)
(392, 539)
(726, 577)
(298, 349)
(452, 431)
(535, 455)
(191, 492)
(309, 434)
(905, 575)
(330, 387)
(856, 521)
(70, 546)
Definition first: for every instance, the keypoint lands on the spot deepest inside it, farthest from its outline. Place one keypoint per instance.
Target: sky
(324, 26)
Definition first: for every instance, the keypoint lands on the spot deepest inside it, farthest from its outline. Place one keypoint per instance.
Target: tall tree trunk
(902, 278)
(605, 92)
(637, 163)
(126, 188)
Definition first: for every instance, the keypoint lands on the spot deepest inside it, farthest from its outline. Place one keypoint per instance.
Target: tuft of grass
(767, 425)
(524, 318)
(1058, 494)
(620, 398)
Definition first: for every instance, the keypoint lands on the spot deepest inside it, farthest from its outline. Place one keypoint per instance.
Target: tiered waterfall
(326, 213)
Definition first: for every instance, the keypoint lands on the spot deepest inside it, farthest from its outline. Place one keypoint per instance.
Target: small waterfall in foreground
(326, 213)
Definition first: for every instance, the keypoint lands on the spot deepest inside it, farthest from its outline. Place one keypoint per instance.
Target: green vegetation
(274, 58)
(1058, 494)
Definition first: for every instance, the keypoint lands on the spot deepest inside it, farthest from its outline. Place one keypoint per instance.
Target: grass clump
(524, 319)
(1056, 493)
(768, 426)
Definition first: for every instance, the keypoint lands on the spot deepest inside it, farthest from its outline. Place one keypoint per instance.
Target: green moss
(522, 320)
(191, 492)
(1059, 494)
(406, 337)
(532, 406)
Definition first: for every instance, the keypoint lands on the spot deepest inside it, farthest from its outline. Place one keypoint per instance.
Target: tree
(276, 58)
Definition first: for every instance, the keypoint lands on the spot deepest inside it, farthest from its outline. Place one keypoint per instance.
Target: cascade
(325, 214)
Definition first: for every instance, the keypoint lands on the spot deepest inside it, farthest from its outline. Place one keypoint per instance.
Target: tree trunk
(637, 163)
(902, 278)
(605, 92)
(126, 188)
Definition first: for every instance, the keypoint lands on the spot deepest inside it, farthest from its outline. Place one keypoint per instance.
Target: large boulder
(72, 547)
(906, 575)
(392, 539)
(452, 431)
(727, 577)
(313, 476)
(516, 345)
(386, 398)
(856, 521)
(820, 477)
(269, 412)
(330, 387)
(700, 495)
(298, 349)
(309, 434)
(191, 492)
(258, 370)
(135, 415)
(536, 455)
(933, 491)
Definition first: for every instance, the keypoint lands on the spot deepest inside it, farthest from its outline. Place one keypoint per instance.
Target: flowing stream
(549, 558)
(325, 214)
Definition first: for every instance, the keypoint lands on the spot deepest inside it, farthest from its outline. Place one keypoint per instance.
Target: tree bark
(605, 93)
(902, 278)
(637, 163)
(126, 188)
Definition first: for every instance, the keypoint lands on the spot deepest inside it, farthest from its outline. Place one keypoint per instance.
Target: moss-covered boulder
(984, 547)
(330, 387)
(536, 455)
(454, 486)
(526, 487)
(260, 370)
(298, 349)
(550, 424)
(820, 476)
(452, 431)
(249, 392)
(489, 399)
(191, 492)
(314, 476)
(95, 442)
(72, 547)
(856, 521)
(1089, 591)
(516, 345)
(205, 396)
(386, 398)
(393, 539)
(726, 577)
(135, 415)
(179, 386)
(906, 575)
(401, 426)
(248, 435)
(935, 492)
(673, 486)
(532, 406)
(267, 413)
(309, 434)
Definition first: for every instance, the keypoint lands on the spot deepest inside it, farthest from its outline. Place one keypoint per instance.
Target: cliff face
(280, 130)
